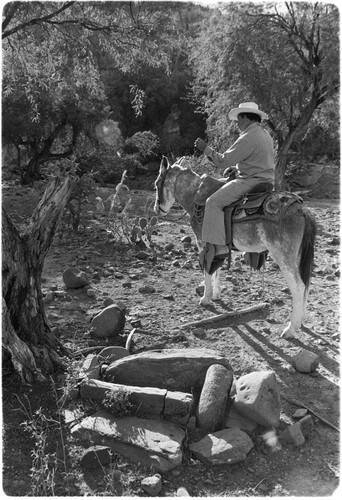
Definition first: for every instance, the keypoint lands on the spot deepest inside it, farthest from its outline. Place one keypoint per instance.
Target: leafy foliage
(143, 144)
(285, 60)
(53, 52)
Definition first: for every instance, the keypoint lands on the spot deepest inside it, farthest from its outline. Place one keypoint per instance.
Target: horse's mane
(179, 163)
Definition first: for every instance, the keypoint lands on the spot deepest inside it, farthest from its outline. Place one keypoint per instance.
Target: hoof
(204, 302)
(288, 333)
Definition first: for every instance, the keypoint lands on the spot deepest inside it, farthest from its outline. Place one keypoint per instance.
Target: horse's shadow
(326, 361)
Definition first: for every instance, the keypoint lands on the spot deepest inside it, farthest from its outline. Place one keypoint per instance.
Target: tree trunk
(31, 172)
(26, 334)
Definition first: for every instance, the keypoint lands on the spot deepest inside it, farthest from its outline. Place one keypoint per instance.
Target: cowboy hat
(246, 107)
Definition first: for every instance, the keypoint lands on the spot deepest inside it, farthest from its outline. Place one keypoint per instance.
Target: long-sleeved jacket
(252, 153)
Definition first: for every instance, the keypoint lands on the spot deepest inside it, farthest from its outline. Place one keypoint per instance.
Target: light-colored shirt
(252, 153)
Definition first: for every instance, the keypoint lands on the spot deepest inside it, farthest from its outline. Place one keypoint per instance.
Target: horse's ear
(164, 164)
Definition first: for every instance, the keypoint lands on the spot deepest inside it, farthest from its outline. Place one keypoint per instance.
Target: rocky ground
(160, 292)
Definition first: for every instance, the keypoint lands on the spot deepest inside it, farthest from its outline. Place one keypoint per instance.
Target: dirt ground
(116, 271)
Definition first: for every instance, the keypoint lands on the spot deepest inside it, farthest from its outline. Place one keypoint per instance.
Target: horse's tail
(307, 248)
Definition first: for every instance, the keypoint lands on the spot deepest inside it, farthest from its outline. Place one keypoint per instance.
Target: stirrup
(217, 262)
(206, 257)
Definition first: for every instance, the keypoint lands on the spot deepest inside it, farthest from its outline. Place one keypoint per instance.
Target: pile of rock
(173, 393)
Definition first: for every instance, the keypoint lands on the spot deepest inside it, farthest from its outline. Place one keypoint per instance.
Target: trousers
(213, 229)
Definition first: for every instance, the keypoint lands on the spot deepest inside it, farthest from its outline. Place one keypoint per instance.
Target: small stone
(127, 284)
(109, 322)
(91, 367)
(142, 255)
(75, 278)
(335, 241)
(300, 413)
(152, 485)
(168, 297)
(108, 301)
(147, 289)
(186, 239)
(296, 433)
(223, 447)
(199, 332)
(305, 361)
(91, 293)
(182, 492)
(96, 456)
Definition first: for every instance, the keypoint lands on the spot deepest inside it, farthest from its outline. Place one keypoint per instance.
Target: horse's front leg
(208, 290)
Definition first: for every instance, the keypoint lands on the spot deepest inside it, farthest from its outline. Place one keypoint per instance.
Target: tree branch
(36, 20)
(9, 11)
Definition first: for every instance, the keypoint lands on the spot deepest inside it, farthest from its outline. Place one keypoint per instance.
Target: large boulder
(172, 369)
(108, 323)
(223, 447)
(146, 442)
(258, 398)
(213, 400)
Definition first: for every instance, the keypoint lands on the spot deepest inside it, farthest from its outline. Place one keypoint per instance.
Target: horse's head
(164, 186)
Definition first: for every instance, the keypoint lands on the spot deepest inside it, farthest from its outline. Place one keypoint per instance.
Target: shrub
(142, 144)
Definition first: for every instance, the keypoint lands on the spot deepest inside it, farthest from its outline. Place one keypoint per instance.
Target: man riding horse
(250, 160)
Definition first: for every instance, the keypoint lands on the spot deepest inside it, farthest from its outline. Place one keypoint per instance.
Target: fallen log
(259, 309)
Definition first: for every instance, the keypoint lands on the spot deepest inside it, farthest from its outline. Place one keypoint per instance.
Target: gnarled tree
(26, 333)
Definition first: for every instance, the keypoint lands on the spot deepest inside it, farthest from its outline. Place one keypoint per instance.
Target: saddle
(260, 202)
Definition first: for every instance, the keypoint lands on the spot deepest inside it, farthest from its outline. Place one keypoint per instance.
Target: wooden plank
(259, 309)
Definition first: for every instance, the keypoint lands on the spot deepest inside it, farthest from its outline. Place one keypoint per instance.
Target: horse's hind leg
(299, 296)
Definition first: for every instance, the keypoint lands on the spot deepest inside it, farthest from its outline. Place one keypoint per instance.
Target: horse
(289, 241)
